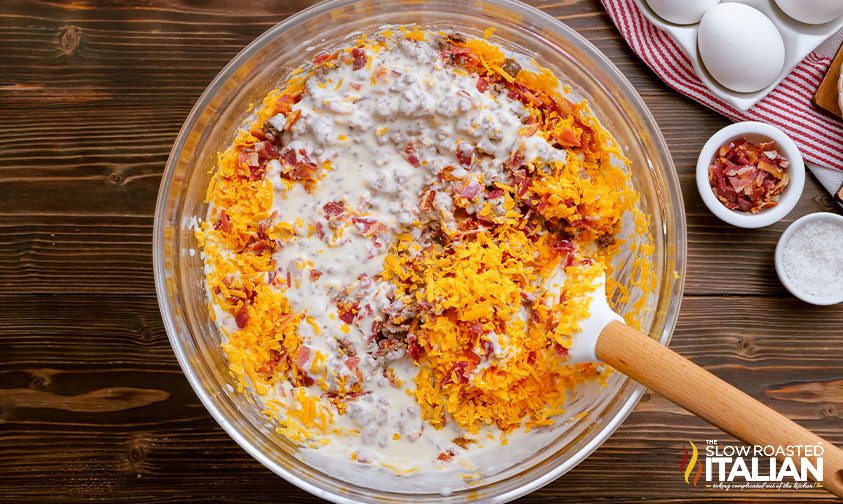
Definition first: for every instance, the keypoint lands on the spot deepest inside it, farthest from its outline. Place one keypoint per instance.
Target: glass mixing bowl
(266, 62)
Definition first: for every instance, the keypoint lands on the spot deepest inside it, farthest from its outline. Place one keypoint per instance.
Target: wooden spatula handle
(700, 392)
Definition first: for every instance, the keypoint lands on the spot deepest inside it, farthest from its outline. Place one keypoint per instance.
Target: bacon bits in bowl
(750, 174)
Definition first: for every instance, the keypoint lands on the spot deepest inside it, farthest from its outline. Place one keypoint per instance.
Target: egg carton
(799, 40)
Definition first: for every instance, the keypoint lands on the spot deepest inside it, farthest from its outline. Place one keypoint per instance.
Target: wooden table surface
(93, 405)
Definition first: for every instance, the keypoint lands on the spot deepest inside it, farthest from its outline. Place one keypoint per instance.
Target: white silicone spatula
(604, 337)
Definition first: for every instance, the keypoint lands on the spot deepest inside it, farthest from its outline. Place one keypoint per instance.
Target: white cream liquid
(423, 102)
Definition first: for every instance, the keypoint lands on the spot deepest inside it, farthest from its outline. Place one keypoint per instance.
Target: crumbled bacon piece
(275, 357)
(260, 133)
(255, 158)
(563, 245)
(369, 227)
(322, 58)
(446, 455)
(528, 297)
(488, 348)
(304, 159)
(521, 93)
(241, 318)
(315, 274)
(471, 190)
(567, 138)
(482, 84)
(319, 231)
(376, 330)
(465, 153)
(516, 159)
(297, 165)
(427, 202)
(259, 246)
(304, 354)
(351, 362)
(494, 193)
(347, 347)
(521, 182)
(358, 58)
(456, 54)
(265, 150)
(530, 128)
(347, 316)
(748, 177)
(411, 155)
(414, 350)
(285, 104)
(365, 281)
(375, 228)
(290, 157)
(560, 350)
(460, 370)
(223, 223)
(259, 242)
(248, 158)
(334, 209)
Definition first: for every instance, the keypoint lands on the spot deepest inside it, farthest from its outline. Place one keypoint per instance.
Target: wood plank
(101, 409)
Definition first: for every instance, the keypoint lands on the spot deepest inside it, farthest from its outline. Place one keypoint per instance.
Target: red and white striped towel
(788, 106)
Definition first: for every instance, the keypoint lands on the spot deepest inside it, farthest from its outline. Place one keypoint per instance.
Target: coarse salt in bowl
(809, 258)
(754, 132)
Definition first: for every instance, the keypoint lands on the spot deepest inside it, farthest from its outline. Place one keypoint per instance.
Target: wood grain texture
(93, 405)
(688, 385)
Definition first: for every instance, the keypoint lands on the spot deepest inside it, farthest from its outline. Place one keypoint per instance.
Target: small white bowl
(754, 132)
(798, 224)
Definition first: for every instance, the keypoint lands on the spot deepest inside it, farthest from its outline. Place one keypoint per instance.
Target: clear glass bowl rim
(671, 180)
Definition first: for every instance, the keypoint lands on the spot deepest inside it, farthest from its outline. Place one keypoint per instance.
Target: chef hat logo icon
(686, 467)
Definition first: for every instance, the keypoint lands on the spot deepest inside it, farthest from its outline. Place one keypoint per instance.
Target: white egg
(740, 47)
(681, 12)
(812, 11)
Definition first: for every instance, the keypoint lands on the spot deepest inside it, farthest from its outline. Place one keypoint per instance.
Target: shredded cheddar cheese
(488, 335)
